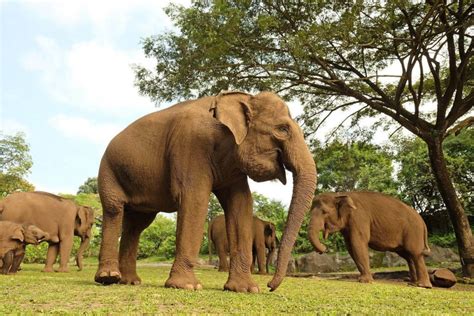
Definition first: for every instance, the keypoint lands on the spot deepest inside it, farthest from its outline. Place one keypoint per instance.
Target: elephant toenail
(254, 289)
(199, 287)
(114, 273)
(189, 287)
(103, 274)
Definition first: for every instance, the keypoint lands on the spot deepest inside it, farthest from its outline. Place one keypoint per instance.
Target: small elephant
(61, 218)
(172, 160)
(13, 240)
(375, 220)
(263, 238)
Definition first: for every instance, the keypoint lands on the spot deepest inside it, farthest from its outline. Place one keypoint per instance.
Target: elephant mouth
(281, 170)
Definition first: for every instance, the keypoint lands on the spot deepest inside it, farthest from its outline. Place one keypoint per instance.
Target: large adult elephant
(171, 161)
(375, 220)
(61, 218)
(263, 238)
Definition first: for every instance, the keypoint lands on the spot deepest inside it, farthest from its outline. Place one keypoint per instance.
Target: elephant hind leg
(423, 279)
(411, 265)
(133, 225)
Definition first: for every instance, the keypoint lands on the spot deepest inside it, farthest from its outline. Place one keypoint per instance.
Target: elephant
(61, 218)
(263, 237)
(172, 160)
(375, 220)
(13, 240)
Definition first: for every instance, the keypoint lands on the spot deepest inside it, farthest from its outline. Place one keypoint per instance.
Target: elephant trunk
(80, 252)
(304, 184)
(313, 230)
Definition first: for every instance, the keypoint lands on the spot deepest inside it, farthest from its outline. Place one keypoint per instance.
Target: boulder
(442, 278)
(439, 255)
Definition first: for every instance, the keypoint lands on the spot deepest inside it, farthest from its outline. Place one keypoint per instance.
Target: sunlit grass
(31, 292)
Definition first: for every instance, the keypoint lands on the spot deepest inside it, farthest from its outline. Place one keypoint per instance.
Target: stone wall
(316, 263)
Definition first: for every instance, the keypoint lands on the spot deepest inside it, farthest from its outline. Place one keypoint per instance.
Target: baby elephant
(375, 220)
(263, 238)
(13, 240)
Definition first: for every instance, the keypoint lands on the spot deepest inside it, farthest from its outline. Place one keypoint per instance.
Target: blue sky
(67, 82)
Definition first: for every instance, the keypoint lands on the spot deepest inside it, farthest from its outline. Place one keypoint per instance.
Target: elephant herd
(173, 159)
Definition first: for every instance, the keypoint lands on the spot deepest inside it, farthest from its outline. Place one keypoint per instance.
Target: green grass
(31, 292)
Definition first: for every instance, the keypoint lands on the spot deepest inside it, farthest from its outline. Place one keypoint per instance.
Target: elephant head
(271, 241)
(330, 213)
(268, 142)
(33, 235)
(83, 228)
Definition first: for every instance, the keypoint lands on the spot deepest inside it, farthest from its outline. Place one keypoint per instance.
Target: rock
(439, 255)
(291, 266)
(314, 262)
(442, 278)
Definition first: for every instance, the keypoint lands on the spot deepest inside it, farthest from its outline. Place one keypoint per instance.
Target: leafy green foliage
(15, 164)
(158, 239)
(355, 166)
(418, 186)
(89, 186)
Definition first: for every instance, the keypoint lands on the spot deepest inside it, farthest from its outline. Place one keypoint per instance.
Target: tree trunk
(462, 229)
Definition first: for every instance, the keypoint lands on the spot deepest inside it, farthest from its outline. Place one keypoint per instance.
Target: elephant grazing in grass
(375, 220)
(171, 161)
(13, 240)
(61, 218)
(263, 238)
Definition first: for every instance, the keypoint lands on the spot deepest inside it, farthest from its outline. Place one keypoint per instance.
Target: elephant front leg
(237, 204)
(53, 250)
(7, 262)
(18, 259)
(108, 271)
(65, 248)
(261, 260)
(189, 233)
(360, 253)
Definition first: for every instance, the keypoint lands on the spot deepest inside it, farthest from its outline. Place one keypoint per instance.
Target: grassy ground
(31, 292)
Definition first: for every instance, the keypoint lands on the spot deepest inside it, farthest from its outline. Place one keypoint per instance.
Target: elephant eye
(283, 131)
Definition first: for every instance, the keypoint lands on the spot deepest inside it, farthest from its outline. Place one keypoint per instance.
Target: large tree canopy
(15, 164)
(410, 61)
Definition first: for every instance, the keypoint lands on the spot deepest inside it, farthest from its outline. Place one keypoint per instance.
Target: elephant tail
(426, 250)
(209, 241)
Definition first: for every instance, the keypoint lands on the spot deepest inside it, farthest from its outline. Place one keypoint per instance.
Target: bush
(158, 239)
(446, 241)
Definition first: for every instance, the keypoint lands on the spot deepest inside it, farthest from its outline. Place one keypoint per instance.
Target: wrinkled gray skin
(264, 238)
(375, 220)
(61, 218)
(13, 240)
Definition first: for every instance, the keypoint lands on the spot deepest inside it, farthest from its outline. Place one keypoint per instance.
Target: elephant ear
(18, 234)
(81, 217)
(346, 202)
(233, 110)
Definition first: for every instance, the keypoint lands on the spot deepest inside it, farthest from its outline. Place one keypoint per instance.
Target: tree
(15, 164)
(355, 165)
(89, 186)
(328, 55)
(418, 185)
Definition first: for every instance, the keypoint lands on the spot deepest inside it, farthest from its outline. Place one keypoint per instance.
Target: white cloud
(90, 76)
(84, 129)
(275, 189)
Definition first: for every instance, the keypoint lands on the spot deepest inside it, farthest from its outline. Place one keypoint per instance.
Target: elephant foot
(108, 273)
(186, 281)
(132, 279)
(426, 285)
(366, 279)
(62, 270)
(241, 285)
(48, 269)
(223, 269)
